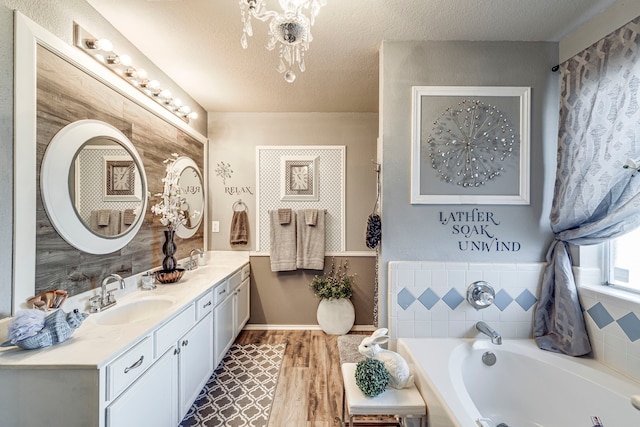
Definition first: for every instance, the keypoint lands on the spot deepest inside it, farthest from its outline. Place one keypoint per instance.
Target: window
(624, 262)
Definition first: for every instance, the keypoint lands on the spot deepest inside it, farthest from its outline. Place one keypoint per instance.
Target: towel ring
(237, 204)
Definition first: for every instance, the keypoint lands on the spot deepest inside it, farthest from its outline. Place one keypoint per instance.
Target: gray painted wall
(414, 232)
(6, 158)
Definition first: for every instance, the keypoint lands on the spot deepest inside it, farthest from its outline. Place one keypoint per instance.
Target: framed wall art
(299, 178)
(470, 145)
(119, 178)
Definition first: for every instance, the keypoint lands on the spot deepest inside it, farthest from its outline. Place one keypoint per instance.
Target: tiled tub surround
(612, 318)
(428, 299)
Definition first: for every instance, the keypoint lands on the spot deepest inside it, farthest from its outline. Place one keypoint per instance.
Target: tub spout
(496, 338)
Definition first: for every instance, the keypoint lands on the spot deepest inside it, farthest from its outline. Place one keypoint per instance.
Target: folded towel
(310, 216)
(113, 227)
(103, 217)
(239, 228)
(284, 216)
(283, 243)
(128, 217)
(310, 242)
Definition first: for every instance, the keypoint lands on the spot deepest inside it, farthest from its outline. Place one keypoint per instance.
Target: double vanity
(142, 362)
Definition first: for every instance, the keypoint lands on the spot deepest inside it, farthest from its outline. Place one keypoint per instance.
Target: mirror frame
(56, 196)
(179, 166)
(28, 36)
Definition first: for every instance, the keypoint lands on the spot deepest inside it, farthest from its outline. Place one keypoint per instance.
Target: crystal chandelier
(290, 30)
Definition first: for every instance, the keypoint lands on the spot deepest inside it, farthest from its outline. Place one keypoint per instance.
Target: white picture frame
(462, 154)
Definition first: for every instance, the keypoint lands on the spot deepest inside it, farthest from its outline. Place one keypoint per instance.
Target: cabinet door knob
(176, 351)
(185, 343)
(135, 365)
(207, 304)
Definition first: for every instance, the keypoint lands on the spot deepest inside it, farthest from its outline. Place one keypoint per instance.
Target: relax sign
(477, 231)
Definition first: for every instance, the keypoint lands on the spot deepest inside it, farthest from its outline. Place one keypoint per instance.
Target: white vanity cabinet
(231, 312)
(139, 374)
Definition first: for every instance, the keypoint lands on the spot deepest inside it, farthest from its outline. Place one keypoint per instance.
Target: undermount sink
(134, 311)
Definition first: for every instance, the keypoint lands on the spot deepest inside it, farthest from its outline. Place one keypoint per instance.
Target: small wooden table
(404, 403)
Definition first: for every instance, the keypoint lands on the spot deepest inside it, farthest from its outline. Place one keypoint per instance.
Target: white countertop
(93, 345)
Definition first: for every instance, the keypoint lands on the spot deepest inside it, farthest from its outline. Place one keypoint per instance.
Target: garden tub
(525, 387)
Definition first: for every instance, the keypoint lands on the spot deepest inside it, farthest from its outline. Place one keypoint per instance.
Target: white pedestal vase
(336, 316)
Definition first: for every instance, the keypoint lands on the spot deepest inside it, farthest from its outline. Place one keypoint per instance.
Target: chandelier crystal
(289, 30)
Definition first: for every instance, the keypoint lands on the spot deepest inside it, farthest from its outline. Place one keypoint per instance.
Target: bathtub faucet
(496, 338)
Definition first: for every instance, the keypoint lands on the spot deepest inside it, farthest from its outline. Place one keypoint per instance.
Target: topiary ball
(371, 377)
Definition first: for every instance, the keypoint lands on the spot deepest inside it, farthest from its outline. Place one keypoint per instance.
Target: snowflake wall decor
(224, 170)
(469, 144)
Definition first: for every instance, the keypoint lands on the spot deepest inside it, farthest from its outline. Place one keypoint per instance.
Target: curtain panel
(595, 198)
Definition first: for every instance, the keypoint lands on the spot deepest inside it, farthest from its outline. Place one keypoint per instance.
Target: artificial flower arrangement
(171, 199)
(334, 285)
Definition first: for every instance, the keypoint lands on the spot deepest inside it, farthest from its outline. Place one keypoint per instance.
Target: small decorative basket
(169, 276)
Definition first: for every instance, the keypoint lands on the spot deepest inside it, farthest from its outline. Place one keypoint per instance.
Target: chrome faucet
(192, 265)
(496, 338)
(106, 299)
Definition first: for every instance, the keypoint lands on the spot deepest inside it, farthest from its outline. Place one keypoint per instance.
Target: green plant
(371, 377)
(334, 285)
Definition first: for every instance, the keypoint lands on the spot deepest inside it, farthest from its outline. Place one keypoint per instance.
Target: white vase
(336, 316)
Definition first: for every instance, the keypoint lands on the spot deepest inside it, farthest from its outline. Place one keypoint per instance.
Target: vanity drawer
(246, 271)
(204, 305)
(168, 334)
(235, 280)
(220, 292)
(128, 367)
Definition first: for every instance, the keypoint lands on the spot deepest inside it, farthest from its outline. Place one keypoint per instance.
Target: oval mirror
(93, 186)
(190, 181)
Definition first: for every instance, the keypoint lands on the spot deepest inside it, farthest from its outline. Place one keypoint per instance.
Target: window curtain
(595, 198)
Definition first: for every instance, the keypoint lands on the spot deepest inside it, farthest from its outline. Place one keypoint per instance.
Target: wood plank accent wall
(66, 94)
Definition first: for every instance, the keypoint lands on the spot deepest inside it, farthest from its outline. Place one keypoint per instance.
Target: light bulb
(184, 110)
(142, 73)
(100, 44)
(177, 102)
(126, 60)
(192, 115)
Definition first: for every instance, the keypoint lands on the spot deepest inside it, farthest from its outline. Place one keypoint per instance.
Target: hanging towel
(311, 216)
(128, 217)
(239, 228)
(103, 217)
(284, 216)
(283, 243)
(310, 242)
(113, 224)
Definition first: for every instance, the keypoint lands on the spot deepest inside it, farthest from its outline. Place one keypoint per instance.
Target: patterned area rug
(240, 391)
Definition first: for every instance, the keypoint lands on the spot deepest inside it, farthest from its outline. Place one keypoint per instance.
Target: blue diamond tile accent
(630, 324)
(502, 299)
(526, 300)
(428, 298)
(600, 315)
(452, 298)
(405, 298)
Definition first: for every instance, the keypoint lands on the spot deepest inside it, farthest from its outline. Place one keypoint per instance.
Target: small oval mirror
(190, 182)
(93, 186)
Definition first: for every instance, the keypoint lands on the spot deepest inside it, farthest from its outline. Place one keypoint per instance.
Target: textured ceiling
(197, 43)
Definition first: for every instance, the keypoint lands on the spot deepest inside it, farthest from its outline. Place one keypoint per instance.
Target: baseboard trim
(270, 327)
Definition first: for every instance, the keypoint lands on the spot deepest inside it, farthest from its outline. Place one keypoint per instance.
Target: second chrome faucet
(496, 338)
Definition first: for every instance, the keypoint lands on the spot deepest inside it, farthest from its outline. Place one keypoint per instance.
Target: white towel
(283, 243)
(310, 242)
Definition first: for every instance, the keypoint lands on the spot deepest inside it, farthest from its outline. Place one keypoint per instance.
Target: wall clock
(119, 178)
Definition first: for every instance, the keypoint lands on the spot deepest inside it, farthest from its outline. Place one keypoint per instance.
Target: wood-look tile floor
(309, 390)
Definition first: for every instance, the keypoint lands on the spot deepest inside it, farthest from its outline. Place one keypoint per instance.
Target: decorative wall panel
(66, 94)
(331, 190)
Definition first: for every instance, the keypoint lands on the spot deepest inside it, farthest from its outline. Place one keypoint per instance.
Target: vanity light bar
(101, 50)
